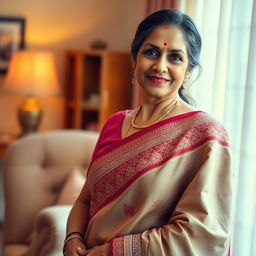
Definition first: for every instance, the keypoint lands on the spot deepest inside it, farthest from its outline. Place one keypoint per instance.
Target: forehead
(172, 35)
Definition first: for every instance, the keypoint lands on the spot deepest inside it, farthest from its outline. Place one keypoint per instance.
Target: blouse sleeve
(110, 133)
(200, 223)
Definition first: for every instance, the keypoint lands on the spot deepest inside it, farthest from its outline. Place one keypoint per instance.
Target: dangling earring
(184, 90)
(133, 77)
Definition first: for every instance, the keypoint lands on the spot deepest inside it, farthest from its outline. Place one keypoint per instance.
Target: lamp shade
(32, 73)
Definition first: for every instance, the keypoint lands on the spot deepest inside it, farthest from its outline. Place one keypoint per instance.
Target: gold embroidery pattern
(136, 245)
(109, 177)
(127, 245)
(135, 146)
(118, 246)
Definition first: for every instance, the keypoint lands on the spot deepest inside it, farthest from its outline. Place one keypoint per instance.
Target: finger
(81, 251)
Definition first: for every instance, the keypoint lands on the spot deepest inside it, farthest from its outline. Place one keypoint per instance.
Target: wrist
(73, 233)
(70, 236)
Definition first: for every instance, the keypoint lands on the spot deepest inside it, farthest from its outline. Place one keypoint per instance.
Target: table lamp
(31, 73)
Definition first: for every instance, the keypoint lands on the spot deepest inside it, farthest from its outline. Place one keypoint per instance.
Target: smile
(158, 80)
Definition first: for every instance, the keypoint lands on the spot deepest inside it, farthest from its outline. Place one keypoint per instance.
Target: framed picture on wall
(12, 37)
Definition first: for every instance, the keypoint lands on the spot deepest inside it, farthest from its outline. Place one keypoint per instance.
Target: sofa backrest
(35, 169)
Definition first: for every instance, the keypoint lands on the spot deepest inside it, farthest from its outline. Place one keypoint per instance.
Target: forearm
(76, 227)
(78, 218)
(79, 215)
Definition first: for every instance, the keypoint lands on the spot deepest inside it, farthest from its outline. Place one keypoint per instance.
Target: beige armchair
(43, 174)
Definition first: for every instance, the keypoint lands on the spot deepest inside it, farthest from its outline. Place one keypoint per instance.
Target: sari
(164, 190)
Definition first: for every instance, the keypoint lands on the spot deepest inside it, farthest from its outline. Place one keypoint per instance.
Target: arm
(200, 223)
(77, 222)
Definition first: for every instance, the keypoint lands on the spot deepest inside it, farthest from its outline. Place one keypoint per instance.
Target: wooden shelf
(102, 72)
(88, 107)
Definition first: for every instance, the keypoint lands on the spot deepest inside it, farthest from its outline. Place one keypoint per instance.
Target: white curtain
(227, 90)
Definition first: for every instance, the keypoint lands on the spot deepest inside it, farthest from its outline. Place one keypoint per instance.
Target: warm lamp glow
(32, 73)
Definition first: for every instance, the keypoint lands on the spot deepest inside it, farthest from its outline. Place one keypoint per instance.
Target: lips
(158, 80)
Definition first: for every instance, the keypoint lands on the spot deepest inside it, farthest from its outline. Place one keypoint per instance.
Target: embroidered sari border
(140, 173)
(126, 245)
(148, 129)
(113, 158)
(115, 171)
(138, 139)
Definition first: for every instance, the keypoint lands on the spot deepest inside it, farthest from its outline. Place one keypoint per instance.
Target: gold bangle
(72, 233)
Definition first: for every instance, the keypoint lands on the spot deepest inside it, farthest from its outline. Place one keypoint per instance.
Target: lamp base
(29, 115)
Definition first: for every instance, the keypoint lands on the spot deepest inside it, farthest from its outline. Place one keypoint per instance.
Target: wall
(59, 25)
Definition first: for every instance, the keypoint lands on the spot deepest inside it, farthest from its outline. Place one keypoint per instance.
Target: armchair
(43, 174)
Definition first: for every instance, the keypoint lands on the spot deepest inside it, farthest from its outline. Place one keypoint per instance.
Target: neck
(149, 114)
(153, 110)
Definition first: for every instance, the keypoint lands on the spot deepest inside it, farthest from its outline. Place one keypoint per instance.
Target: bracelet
(70, 238)
(72, 233)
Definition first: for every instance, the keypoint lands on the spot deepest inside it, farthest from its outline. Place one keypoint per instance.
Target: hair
(174, 18)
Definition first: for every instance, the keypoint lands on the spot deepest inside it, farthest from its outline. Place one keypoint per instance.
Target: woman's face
(161, 64)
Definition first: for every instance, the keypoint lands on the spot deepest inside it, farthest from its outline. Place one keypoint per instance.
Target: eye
(175, 57)
(151, 52)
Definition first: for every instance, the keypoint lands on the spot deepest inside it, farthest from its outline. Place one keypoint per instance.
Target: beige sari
(165, 190)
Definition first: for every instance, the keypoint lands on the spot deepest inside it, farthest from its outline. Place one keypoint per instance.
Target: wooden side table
(5, 141)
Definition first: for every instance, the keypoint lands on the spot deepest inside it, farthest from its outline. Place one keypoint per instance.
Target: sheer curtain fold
(247, 189)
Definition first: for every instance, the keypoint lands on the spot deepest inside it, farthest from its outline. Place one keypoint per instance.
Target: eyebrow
(158, 48)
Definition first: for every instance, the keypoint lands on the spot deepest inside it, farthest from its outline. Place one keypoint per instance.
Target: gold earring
(185, 80)
(184, 90)
(133, 77)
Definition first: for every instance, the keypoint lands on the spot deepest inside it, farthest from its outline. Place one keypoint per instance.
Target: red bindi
(165, 43)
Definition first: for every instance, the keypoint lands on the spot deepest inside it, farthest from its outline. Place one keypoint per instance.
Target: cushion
(71, 188)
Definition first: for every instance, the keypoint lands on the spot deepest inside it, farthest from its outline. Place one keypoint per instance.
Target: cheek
(141, 68)
(139, 74)
(177, 73)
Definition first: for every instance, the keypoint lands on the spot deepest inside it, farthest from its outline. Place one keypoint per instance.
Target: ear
(188, 74)
(133, 61)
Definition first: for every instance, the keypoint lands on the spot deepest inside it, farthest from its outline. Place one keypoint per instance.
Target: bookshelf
(98, 85)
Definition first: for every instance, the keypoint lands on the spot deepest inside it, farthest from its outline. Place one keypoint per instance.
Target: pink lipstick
(159, 80)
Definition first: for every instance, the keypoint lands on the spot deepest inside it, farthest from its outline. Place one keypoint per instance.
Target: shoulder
(115, 120)
(113, 124)
(209, 128)
(111, 131)
(118, 116)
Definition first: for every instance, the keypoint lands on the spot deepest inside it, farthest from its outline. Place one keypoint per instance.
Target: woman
(160, 181)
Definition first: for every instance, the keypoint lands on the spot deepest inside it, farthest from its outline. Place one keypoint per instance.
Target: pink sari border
(142, 132)
(116, 247)
(156, 146)
(148, 168)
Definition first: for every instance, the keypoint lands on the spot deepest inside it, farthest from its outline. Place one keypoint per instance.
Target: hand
(101, 250)
(75, 247)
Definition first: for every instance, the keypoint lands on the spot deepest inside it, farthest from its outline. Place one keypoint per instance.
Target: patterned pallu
(164, 190)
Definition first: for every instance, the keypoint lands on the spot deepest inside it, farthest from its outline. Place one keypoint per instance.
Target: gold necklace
(135, 126)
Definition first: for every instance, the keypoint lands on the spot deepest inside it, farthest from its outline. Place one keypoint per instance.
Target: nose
(160, 65)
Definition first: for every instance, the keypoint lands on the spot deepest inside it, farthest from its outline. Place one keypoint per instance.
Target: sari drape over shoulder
(164, 190)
